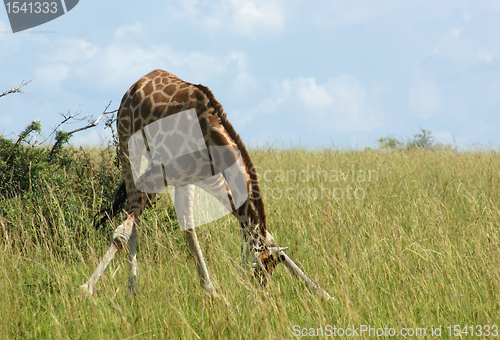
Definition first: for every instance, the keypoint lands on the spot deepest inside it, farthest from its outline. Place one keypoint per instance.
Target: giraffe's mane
(255, 189)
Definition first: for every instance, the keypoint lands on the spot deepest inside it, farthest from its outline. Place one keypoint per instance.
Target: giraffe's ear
(275, 251)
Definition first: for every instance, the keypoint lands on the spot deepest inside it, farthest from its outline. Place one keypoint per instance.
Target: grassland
(400, 239)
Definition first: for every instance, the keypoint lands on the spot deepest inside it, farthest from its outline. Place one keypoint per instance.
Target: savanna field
(400, 239)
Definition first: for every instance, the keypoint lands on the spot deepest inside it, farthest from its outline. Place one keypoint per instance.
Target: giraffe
(150, 101)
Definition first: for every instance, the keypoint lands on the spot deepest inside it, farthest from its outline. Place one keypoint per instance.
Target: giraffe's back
(161, 94)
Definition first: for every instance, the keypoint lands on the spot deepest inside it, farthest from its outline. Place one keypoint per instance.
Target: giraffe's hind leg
(201, 266)
(183, 204)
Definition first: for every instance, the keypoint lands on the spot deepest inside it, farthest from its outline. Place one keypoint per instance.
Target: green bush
(423, 141)
(54, 184)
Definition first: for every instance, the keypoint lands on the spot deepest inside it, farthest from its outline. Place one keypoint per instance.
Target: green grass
(420, 248)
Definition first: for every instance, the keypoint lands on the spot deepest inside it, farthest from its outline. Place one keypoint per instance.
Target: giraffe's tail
(120, 198)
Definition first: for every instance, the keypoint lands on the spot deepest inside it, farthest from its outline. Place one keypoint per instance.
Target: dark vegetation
(422, 141)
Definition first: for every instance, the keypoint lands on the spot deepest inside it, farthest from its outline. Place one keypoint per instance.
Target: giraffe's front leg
(121, 237)
(251, 256)
(92, 281)
(245, 248)
(132, 282)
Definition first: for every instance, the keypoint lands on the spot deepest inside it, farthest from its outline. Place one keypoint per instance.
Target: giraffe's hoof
(209, 289)
(86, 289)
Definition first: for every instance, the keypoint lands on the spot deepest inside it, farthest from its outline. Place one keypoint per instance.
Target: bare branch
(72, 116)
(67, 117)
(62, 137)
(96, 121)
(16, 89)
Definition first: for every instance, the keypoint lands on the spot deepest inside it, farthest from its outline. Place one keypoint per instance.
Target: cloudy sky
(314, 72)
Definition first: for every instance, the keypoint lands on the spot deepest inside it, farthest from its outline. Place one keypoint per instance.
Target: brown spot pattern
(160, 94)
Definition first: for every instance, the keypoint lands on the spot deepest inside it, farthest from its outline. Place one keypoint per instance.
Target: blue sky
(316, 72)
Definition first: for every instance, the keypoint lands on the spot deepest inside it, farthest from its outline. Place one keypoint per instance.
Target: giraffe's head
(266, 256)
(269, 259)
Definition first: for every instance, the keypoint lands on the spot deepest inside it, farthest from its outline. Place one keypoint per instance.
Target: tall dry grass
(414, 245)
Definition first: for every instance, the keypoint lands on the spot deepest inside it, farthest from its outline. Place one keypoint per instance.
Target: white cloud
(129, 56)
(341, 12)
(467, 16)
(492, 5)
(248, 18)
(51, 75)
(120, 61)
(465, 50)
(456, 31)
(342, 104)
(484, 56)
(311, 94)
(425, 97)
(63, 60)
(243, 81)
(252, 18)
(125, 31)
(10, 43)
(71, 50)
(123, 62)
